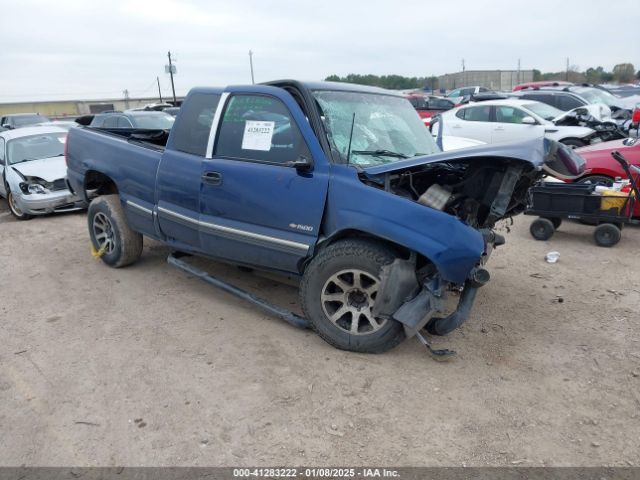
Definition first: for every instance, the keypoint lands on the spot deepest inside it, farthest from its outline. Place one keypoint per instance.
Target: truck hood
(48, 169)
(531, 151)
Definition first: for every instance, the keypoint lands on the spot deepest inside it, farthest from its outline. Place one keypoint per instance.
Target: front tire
(338, 291)
(110, 234)
(14, 209)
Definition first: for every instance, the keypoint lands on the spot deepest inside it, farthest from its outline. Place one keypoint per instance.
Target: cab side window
(259, 128)
(1, 151)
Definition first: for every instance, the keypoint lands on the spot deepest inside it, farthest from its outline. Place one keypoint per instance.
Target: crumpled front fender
(454, 247)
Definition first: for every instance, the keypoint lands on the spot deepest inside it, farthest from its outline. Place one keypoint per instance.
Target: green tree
(624, 72)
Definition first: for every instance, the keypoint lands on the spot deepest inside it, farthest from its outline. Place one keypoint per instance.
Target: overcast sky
(82, 49)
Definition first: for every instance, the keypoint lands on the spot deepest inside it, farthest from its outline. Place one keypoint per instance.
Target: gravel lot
(147, 366)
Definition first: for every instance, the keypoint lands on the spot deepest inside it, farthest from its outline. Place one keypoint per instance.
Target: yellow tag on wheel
(97, 253)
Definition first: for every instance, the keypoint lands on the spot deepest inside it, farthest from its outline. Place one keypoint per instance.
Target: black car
(17, 120)
(573, 96)
(562, 100)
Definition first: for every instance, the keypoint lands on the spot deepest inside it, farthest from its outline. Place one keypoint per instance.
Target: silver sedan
(33, 172)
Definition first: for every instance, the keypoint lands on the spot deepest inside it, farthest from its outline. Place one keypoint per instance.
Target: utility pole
(251, 65)
(567, 75)
(159, 91)
(126, 98)
(464, 76)
(518, 72)
(173, 88)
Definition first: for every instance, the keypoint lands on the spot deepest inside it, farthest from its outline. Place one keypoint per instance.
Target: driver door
(255, 206)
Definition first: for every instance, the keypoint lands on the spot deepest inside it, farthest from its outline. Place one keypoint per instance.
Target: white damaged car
(33, 172)
(511, 120)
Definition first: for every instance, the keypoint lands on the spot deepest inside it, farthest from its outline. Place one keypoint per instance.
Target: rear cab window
(259, 128)
(191, 133)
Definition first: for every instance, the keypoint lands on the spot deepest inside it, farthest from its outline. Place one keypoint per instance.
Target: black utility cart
(553, 202)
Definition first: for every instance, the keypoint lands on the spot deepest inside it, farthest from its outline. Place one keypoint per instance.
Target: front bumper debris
(402, 298)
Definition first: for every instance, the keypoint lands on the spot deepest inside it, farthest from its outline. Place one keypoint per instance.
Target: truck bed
(155, 139)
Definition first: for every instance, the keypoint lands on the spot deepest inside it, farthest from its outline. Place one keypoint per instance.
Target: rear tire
(607, 235)
(542, 229)
(110, 234)
(338, 291)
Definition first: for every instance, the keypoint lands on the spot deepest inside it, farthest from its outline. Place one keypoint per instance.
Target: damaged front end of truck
(452, 202)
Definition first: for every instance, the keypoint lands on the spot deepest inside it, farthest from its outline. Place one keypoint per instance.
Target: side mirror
(302, 164)
(529, 121)
(7, 126)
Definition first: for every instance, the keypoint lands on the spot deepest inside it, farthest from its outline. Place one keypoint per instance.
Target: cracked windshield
(378, 129)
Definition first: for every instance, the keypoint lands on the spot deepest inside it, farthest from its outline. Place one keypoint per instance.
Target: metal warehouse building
(493, 79)
(73, 108)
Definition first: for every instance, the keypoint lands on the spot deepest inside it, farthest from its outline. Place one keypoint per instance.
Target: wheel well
(402, 251)
(101, 183)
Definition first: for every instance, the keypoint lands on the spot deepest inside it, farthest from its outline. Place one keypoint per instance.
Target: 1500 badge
(304, 228)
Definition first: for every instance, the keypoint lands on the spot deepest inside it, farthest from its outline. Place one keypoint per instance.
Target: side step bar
(286, 315)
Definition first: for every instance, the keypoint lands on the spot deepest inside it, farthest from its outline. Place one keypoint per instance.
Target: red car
(428, 106)
(543, 83)
(603, 169)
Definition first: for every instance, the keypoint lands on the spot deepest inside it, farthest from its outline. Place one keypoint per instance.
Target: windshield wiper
(24, 160)
(380, 153)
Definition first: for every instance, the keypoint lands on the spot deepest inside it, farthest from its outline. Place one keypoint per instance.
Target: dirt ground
(147, 366)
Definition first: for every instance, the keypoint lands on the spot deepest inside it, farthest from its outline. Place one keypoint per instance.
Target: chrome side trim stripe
(255, 236)
(229, 231)
(215, 123)
(179, 216)
(140, 208)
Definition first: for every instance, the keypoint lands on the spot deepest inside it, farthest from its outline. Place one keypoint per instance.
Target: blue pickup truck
(338, 184)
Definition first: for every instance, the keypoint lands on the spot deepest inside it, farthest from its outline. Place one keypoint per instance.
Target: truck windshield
(380, 128)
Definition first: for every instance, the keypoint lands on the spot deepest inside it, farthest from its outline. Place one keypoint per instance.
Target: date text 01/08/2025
(315, 473)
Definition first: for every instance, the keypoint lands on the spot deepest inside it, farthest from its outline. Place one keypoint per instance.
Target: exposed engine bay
(478, 191)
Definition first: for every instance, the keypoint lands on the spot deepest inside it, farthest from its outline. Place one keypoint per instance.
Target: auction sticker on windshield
(257, 135)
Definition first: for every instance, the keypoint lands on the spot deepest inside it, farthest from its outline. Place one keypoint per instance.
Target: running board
(286, 315)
